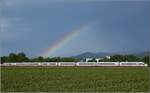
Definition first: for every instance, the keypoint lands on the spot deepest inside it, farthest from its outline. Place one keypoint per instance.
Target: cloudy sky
(51, 28)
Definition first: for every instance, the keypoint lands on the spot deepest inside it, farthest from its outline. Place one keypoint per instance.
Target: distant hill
(102, 54)
(91, 55)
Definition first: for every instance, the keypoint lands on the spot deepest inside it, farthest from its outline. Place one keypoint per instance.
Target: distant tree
(12, 57)
(37, 59)
(131, 58)
(117, 58)
(21, 57)
(54, 59)
(4, 59)
(69, 59)
(40, 59)
(47, 59)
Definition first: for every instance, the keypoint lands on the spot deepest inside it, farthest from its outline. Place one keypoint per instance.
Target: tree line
(126, 58)
(21, 57)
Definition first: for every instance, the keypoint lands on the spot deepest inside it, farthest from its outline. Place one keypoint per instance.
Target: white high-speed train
(129, 64)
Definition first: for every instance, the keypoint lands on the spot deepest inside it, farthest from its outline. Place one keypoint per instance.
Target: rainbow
(64, 40)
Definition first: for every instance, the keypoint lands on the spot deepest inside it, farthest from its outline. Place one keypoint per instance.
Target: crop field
(74, 79)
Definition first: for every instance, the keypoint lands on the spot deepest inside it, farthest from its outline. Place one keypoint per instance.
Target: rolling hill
(103, 54)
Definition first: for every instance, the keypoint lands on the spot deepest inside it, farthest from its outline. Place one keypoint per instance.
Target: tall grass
(74, 79)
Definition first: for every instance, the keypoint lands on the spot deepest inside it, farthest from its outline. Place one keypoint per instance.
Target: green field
(74, 79)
